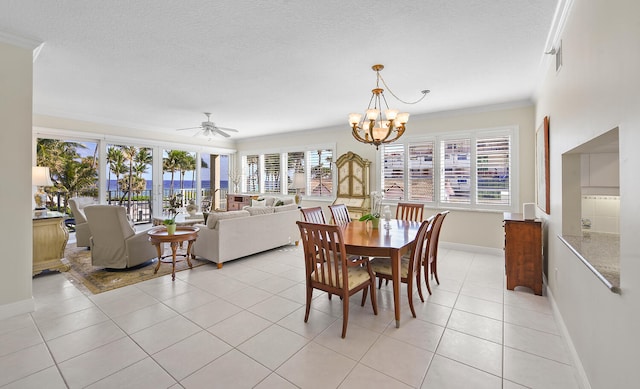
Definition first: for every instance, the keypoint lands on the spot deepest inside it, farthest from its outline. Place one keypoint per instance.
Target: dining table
(392, 239)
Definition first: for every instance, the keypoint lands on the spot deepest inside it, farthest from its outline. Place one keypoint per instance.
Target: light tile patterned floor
(242, 326)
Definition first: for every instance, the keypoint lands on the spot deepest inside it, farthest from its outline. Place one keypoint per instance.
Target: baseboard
(583, 381)
(17, 308)
(471, 248)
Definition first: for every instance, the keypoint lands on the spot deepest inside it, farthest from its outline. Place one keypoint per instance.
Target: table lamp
(40, 177)
(299, 182)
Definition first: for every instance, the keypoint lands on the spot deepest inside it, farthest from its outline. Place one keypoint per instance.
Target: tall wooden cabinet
(353, 184)
(523, 252)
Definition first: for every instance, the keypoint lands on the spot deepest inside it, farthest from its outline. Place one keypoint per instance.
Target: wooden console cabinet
(523, 252)
(236, 202)
(49, 241)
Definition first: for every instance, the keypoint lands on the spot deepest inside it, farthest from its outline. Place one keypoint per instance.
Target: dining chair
(431, 258)
(409, 264)
(313, 215)
(340, 214)
(409, 211)
(329, 268)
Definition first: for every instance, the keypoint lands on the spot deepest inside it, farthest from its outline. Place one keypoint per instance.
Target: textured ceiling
(274, 66)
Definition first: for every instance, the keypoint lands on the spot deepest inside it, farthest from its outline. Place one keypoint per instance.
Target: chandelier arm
(424, 93)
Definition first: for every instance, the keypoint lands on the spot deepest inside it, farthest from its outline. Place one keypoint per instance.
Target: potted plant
(374, 216)
(170, 224)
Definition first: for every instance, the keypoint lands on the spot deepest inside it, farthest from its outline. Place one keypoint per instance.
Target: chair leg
(419, 285)
(434, 270)
(345, 314)
(426, 277)
(374, 298)
(410, 295)
(364, 296)
(308, 308)
(379, 283)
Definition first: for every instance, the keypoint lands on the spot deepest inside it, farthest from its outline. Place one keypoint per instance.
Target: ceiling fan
(209, 128)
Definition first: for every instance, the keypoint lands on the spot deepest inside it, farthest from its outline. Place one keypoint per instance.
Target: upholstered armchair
(114, 242)
(83, 233)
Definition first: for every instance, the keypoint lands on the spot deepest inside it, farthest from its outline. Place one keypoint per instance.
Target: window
(320, 177)
(252, 177)
(271, 173)
(455, 183)
(275, 172)
(464, 170)
(295, 166)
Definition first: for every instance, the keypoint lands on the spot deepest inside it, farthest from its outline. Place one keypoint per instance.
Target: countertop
(601, 252)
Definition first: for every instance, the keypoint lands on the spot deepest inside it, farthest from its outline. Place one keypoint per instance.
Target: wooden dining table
(361, 239)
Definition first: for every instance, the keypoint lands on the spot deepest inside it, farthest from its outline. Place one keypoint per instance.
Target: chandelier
(372, 128)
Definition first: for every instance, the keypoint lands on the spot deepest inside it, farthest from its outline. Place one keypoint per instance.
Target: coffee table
(159, 235)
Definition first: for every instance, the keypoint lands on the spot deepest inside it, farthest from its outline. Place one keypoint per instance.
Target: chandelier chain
(424, 92)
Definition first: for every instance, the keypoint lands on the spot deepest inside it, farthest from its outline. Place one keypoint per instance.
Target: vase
(171, 229)
(375, 222)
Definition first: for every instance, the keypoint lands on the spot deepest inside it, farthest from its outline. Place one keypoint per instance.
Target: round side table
(159, 235)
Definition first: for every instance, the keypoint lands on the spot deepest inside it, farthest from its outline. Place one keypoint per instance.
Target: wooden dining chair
(340, 214)
(328, 268)
(313, 215)
(410, 266)
(430, 262)
(410, 212)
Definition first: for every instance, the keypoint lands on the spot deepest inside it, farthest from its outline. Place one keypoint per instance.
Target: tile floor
(242, 327)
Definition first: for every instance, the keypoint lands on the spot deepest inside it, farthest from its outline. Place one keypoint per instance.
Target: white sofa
(236, 234)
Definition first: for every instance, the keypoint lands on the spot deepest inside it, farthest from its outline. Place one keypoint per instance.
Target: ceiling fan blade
(190, 128)
(226, 129)
(221, 132)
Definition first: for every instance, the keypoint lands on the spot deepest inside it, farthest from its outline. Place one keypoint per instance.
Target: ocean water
(187, 184)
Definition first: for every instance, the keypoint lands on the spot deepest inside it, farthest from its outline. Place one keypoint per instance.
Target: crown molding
(22, 41)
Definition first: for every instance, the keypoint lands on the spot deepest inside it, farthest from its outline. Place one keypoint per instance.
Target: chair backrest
(340, 214)
(313, 215)
(410, 212)
(435, 236)
(77, 205)
(325, 256)
(419, 249)
(108, 224)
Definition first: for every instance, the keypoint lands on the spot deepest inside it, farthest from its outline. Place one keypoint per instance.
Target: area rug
(94, 280)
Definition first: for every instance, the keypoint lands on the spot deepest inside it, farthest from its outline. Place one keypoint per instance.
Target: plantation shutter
(420, 180)
(493, 155)
(393, 187)
(455, 184)
(272, 173)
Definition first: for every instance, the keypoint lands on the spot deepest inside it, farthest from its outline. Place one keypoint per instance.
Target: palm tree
(187, 164)
(129, 153)
(171, 163)
(115, 160)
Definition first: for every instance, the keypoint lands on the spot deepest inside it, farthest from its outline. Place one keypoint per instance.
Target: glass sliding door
(129, 173)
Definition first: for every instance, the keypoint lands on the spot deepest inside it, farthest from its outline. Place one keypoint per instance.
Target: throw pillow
(258, 203)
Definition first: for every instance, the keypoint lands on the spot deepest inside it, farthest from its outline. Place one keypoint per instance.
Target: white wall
(16, 195)
(596, 90)
(461, 227)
